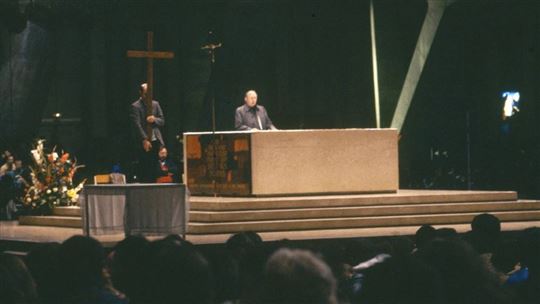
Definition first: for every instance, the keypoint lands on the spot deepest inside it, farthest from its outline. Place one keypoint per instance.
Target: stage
(214, 219)
(13, 232)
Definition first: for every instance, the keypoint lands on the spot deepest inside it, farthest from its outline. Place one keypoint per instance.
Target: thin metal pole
(374, 62)
(469, 173)
(87, 212)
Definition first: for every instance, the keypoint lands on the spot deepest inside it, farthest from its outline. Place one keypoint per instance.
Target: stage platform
(214, 219)
(13, 232)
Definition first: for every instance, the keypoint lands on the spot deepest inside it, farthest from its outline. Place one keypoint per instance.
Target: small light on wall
(57, 115)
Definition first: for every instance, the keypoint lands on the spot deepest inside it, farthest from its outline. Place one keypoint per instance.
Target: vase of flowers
(52, 180)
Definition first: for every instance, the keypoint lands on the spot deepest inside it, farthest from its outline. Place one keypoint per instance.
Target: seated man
(167, 171)
(251, 116)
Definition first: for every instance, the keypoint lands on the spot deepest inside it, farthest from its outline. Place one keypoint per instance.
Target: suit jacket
(138, 120)
(245, 118)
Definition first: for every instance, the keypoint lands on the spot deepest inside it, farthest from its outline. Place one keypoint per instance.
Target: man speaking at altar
(251, 116)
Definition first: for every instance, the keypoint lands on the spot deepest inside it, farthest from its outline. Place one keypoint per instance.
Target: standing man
(149, 143)
(251, 116)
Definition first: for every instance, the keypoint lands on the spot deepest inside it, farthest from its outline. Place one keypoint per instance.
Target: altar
(291, 162)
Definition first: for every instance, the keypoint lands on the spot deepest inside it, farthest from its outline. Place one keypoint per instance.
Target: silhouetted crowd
(13, 179)
(435, 266)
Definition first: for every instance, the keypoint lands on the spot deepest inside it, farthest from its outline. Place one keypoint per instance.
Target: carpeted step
(51, 220)
(362, 211)
(67, 211)
(351, 232)
(355, 222)
(205, 203)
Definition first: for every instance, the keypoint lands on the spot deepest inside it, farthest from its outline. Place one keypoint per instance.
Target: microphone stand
(211, 48)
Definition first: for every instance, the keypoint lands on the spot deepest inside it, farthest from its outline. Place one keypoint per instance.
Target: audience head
(16, 283)
(81, 262)
(177, 273)
(464, 275)
(486, 224)
(446, 233)
(247, 249)
(423, 235)
(485, 233)
(243, 241)
(126, 272)
(226, 270)
(43, 264)
(298, 276)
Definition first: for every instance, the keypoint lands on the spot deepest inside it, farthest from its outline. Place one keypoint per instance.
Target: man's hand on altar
(147, 145)
(151, 119)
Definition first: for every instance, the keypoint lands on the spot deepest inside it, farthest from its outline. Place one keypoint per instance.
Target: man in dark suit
(251, 116)
(167, 170)
(150, 143)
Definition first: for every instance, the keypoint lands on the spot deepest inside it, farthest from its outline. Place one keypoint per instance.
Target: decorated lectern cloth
(135, 209)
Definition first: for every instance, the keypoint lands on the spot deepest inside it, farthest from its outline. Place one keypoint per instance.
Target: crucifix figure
(150, 54)
(211, 47)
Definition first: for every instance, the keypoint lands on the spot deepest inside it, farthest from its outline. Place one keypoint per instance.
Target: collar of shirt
(247, 109)
(142, 102)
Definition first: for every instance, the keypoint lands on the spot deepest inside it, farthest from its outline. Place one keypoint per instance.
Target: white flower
(55, 189)
(37, 157)
(48, 191)
(64, 189)
(80, 186)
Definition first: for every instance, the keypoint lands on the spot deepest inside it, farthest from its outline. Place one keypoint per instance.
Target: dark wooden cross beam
(150, 54)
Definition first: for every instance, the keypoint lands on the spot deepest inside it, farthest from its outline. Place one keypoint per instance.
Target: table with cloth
(152, 209)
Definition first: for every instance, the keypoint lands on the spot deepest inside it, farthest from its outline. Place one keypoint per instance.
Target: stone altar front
(291, 162)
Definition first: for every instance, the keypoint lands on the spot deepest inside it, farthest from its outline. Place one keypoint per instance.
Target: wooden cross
(150, 54)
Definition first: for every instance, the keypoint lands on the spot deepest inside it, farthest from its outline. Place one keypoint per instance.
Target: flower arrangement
(52, 180)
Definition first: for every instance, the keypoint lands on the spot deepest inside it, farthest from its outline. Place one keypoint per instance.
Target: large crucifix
(150, 54)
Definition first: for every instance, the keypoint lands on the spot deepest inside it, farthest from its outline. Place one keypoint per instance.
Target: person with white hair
(294, 276)
(252, 116)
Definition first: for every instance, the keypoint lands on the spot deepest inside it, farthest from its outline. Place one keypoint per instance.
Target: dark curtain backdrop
(482, 49)
(310, 62)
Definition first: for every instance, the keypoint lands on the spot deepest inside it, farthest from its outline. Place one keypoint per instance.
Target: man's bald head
(143, 89)
(250, 98)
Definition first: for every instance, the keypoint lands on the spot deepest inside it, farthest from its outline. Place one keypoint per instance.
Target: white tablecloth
(135, 209)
